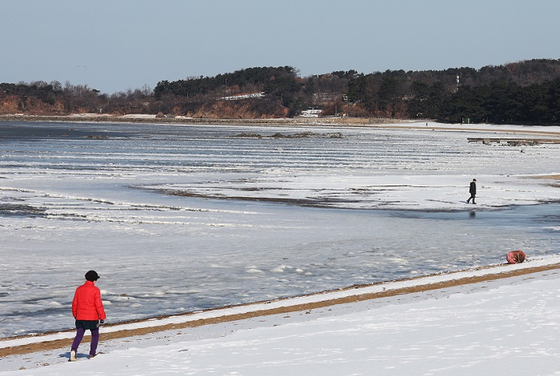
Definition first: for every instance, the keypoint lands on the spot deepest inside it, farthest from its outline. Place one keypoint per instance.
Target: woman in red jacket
(88, 311)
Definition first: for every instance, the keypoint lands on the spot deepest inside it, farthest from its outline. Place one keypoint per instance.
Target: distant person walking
(472, 191)
(89, 313)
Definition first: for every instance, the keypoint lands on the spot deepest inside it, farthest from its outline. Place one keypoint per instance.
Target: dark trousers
(80, 331)
(471, 198)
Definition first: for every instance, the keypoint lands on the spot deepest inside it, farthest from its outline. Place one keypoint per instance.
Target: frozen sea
(184, 218)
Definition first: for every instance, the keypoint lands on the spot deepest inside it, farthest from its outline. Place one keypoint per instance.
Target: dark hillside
(526, 92)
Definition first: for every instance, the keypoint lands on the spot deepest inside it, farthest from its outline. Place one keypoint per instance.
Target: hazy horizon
(117, 46)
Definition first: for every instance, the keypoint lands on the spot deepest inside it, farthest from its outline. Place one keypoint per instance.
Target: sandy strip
(357, 297)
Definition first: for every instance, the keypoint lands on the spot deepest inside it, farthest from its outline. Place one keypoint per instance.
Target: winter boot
(72, 356)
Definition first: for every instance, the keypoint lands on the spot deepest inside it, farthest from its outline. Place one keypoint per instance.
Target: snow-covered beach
(464, 329)
(275, 212)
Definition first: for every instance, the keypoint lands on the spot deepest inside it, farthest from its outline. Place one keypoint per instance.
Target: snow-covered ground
(182, 218)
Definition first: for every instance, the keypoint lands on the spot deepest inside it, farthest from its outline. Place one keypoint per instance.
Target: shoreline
(359, 293)
(153, 119)
(385, 123)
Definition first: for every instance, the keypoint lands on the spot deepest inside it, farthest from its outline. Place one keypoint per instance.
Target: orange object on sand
(515, 257)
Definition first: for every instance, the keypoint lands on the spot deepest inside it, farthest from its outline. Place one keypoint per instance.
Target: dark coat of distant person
(472, 191)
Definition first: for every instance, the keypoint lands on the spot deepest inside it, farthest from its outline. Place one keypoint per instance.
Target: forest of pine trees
(526, 92)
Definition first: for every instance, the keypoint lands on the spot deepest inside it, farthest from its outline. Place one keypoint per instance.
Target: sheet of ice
(262, 212)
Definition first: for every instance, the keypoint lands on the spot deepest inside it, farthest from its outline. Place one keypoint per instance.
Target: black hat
(92, 275)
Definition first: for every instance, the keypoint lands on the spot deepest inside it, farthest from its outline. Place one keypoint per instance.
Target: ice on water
(183, 218)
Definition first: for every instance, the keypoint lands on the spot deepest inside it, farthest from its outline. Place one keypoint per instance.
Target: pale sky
(117, 45)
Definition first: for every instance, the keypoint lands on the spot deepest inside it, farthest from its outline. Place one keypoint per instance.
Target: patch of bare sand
(551, 177)
(62, 343)
(555, 177)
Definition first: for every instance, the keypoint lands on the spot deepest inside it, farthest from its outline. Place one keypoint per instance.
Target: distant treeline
(526, 92)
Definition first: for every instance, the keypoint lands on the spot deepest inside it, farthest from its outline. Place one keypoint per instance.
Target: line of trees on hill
(526, 92)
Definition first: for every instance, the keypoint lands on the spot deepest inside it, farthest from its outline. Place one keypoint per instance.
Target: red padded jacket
(87, 303)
